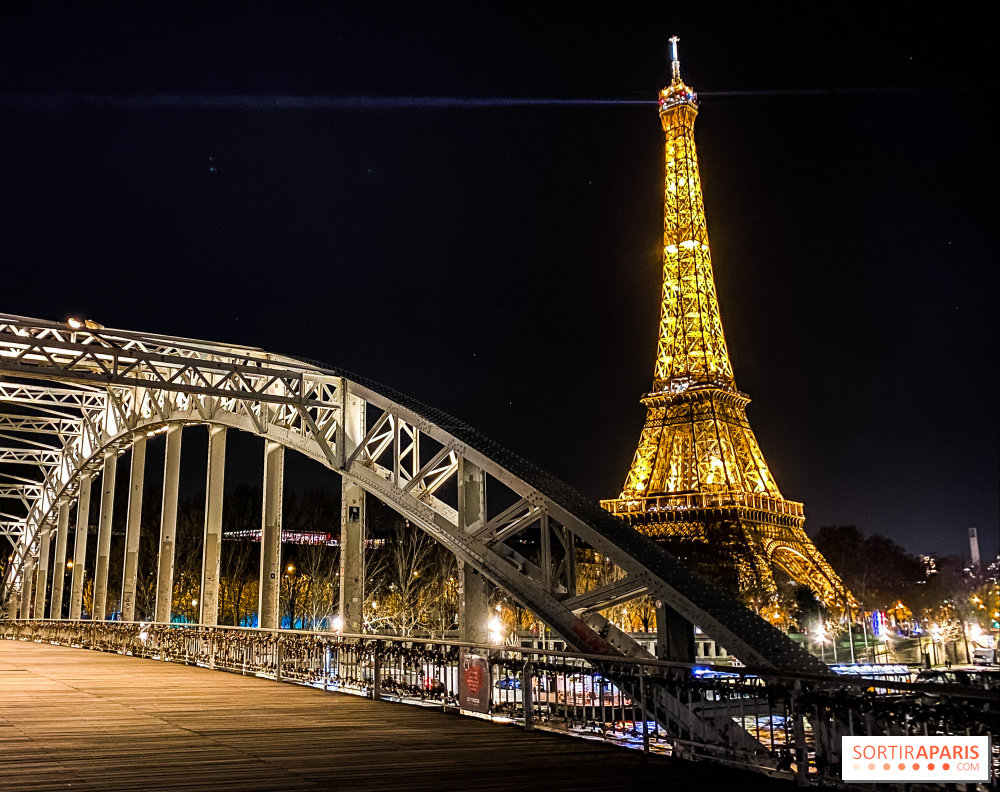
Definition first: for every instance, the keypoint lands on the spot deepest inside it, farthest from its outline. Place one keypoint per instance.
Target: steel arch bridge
(73, 397)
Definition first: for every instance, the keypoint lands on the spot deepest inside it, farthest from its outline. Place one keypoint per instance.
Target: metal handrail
(817, 680)
(752, 717)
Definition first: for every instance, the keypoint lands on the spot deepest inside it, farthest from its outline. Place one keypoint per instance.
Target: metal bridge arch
(121, 383)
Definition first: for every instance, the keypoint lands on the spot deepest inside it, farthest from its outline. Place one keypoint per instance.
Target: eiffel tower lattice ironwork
(699, 483)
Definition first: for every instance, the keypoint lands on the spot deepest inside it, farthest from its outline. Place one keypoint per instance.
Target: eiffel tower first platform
(699, 483)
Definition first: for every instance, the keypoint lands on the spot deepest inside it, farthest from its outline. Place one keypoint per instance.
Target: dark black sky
(502, 262)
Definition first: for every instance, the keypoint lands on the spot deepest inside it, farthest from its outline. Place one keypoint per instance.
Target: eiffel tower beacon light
(699, 483)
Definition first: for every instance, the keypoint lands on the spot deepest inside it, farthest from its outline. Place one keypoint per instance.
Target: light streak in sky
(294, 102)
(179, 101)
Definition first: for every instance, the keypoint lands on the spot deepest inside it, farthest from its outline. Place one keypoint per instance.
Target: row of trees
(883, 576)
(309, 586)
(411, 582)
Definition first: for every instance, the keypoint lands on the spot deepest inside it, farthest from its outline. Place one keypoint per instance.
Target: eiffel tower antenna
(699, 483)
(675, 61)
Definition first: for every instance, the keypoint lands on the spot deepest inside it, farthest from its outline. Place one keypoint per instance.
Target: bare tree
(512, 615)
(238, 580)
(593, 571)
(187, 559)
(320, 566)
(88, 597)
(292, 590)
(441, 591)
(149, 546)
(401, 577)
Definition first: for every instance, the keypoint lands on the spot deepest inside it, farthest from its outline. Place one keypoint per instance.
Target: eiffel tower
(699, 483)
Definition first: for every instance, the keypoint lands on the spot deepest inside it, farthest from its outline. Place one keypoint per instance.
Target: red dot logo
(930, 766)
(916, 765)
(885, 766)
(902, 766)
(871, 765)
(946, 766)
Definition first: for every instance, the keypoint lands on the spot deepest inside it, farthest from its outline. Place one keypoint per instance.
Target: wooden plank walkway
(83, 720)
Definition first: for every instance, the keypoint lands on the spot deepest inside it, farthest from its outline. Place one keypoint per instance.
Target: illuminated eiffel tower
(699, 483)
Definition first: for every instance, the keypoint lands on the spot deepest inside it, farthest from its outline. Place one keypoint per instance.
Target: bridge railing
(779, 724)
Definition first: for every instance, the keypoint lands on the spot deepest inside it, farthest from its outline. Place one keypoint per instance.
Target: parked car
(508, 683)
(986, 679)
(986, 657)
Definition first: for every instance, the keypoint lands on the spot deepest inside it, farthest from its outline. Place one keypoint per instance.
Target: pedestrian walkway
(84, 720)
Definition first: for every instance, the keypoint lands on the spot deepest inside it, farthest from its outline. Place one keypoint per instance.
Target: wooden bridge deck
(83, 720)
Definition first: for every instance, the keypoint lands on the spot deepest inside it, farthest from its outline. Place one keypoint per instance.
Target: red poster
(474, 683)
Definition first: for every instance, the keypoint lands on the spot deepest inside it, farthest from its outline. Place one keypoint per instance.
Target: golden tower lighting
(699, 482)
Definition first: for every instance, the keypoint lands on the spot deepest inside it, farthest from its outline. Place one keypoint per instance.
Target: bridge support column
(137, 472)
(570, 542)
(270, 536)
(211, 556)
(546, 548)
(352, 557)
(473, 600)
(59, 562)
(674, 635)
(27, 578)
(80, 547)
(42, 578)
(168, 524)
(104, 535)
(352, 522)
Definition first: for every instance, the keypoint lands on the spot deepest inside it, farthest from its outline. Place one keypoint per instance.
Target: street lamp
(822, 642)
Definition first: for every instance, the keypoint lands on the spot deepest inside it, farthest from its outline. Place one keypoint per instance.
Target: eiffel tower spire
(699, 482)
(691, 346)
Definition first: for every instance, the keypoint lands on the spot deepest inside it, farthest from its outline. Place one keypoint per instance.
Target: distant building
(290, 537)
(974, 547)
(930, 564)
(300, 537)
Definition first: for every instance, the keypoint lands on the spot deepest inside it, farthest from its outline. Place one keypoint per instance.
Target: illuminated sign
(474, 683)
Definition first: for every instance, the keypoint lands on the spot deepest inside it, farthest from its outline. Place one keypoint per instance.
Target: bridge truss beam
(113, 386)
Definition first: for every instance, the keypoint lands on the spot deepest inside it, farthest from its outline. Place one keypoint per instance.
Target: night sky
(309, 181)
